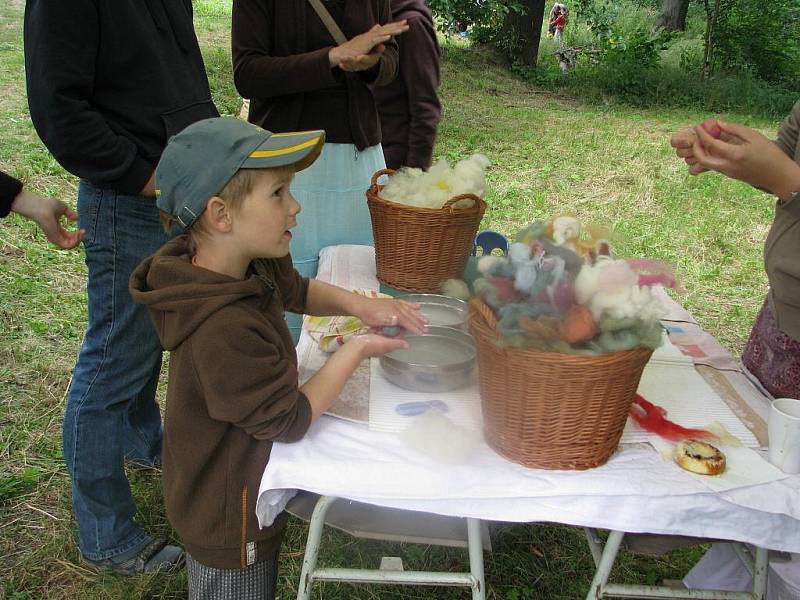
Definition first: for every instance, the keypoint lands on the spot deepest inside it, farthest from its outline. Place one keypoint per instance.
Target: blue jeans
(111, 410)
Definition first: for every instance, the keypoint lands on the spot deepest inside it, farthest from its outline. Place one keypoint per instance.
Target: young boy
(217, 295)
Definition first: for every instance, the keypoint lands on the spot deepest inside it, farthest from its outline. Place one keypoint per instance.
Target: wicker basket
(550, 410)
(418, 249)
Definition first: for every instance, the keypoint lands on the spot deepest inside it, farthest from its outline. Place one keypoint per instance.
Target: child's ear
(219, 214)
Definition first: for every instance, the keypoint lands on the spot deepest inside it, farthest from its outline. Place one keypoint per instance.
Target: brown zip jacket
(233, 390)
(782, 249)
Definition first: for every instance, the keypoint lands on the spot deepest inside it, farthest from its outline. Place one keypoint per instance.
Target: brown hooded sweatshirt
(233, 390)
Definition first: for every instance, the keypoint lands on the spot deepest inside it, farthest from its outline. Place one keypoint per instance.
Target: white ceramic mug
(784, 434)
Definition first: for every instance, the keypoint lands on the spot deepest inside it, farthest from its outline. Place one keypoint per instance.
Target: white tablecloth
(636, 491)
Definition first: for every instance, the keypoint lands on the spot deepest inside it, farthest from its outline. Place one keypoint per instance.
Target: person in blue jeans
(109, 82)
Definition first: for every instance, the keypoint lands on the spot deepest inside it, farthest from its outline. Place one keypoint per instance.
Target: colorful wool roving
(561, 289)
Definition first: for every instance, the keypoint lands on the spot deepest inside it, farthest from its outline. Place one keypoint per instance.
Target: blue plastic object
(490, 240)
(412, 409)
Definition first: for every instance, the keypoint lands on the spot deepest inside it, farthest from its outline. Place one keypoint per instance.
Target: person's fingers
(715, 147)
(70, 214)
(684, 152)
(69, 239)
(711, 126)
(697, 169)
(682, 139)
(379, 39)
(704, 158)
(740, 131)
(395, 26)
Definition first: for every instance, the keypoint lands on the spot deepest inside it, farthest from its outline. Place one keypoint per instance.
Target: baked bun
(699, 457)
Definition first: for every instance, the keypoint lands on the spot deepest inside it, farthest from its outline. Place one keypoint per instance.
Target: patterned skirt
(772, 356)
(256, 582)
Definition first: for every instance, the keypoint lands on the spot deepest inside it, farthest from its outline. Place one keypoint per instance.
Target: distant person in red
(409, 107)
(558, 24)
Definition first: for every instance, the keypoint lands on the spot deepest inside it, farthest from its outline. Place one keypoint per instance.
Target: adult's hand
(366, 43)
(363, 61)
(47, 213)
(747, 156)
(683, 142)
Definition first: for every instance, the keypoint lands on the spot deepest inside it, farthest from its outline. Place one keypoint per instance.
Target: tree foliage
(760, 37)
(512, 26)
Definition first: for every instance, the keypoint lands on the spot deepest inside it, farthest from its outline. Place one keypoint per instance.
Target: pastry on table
(699, 457)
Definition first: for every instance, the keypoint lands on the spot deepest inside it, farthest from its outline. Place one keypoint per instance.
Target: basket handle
(380, 173)
(483, 315)
(478, 203)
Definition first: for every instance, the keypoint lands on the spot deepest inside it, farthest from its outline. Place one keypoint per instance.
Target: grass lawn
(551, 154)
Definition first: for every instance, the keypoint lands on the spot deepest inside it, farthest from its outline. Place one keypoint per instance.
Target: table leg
(595, 544)
(600, 587)
(760, 574)
(312, 546)
(610, 551)
(476, 558)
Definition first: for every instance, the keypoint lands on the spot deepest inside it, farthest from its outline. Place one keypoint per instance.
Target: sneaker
(155, 555)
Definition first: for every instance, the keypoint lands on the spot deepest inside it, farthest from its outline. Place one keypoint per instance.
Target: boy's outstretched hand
(373, 344)
(387, 312)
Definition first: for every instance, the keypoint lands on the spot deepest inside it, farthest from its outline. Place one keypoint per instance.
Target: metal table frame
(311, 574)
(604, 554)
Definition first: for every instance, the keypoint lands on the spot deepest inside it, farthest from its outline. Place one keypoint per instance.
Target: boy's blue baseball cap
(199, 161)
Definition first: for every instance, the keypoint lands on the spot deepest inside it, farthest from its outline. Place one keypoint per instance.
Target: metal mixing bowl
(441, 311)
(440, 360)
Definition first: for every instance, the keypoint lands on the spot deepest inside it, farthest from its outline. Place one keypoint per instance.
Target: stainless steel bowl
(440, 360)
(441, 311)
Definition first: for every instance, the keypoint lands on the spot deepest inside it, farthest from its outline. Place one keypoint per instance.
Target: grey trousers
(256, 582)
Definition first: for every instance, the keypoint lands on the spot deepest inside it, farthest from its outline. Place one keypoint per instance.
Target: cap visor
(284, 149)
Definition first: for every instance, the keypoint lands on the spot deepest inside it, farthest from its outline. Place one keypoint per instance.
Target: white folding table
(334, 456)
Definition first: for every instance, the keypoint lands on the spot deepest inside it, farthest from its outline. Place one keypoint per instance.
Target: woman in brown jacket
(772, 353)
(297, 76)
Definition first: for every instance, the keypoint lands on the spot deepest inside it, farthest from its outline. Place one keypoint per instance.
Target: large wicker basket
(418, 249)
(550, 410)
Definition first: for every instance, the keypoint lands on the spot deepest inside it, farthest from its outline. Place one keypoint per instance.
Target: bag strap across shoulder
(328, 21)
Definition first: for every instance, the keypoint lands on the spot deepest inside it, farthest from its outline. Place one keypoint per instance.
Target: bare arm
(326, 299)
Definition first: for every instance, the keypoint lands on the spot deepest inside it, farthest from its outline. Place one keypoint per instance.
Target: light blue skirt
(333, 195)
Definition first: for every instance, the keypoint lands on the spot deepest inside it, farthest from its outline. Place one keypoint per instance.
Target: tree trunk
(673, 15)
(712, 14)
(525, 30)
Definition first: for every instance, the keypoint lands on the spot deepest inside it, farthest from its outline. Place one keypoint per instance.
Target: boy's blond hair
(234, 193)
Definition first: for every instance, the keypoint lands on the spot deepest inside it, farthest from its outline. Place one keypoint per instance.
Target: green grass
(551, 154)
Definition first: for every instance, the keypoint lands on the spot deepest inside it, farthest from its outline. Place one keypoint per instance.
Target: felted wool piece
(547, 329)
(578, 326)
(534, 231)
(456, 288)
(432, 189)
(566, 231)
(436, 436)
